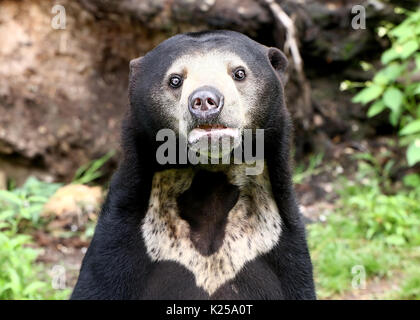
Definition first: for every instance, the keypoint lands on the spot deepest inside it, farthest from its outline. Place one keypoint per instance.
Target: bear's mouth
(211, 126)
(215, 140)
(212, 133)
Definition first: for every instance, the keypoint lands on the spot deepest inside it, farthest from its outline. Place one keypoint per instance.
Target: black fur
(206, 206)
(116, 265)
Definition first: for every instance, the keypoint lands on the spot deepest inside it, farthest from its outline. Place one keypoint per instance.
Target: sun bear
(195, 222)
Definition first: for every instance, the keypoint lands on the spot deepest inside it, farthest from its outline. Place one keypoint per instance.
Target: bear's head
(207, 85)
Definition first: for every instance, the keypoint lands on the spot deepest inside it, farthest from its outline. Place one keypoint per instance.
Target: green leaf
(90, 171)
(394, 116)
(413, 152)
(412, 127)
(403, 31)
(412, 180)
(33, 288)
(381, 78)
(409, 48)
(388, 74)
(15, 281)
(393, 98)
(393, 71)
(395, 240)
(368, 94)
(376, 108)
(38, 198)
(10, 197)
(389, 55)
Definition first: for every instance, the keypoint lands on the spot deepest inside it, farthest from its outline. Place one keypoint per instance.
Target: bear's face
(207, 85)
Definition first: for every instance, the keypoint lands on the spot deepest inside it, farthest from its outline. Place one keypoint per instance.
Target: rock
(73, 204)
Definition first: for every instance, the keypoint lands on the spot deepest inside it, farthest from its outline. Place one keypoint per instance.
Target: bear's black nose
(205, 103)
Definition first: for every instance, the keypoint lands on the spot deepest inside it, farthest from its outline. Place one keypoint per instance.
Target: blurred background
(353, 90)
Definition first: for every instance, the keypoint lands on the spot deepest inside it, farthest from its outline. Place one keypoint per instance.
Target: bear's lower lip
(212, 133)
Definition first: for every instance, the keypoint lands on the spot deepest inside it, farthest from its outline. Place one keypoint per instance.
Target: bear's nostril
(197, 103)
(210, 102)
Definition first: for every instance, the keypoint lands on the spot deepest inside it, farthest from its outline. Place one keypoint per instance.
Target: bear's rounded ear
(134, 66)
(278, 60)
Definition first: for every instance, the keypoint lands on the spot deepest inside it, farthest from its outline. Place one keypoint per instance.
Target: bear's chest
(210, 226)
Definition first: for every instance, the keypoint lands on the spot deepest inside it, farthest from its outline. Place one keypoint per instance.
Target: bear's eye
(175, 81)
(239, 74)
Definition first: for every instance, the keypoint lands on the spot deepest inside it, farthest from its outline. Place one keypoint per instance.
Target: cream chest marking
(253, 227)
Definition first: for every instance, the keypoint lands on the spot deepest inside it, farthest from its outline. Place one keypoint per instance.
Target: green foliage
(25, 204)
(91, 171)
(393, 87)
(370, 228)
(412, 180)
(20, 209)
(336, 247)
(394, 219)
(16, 268)
(19, 274)
(411, 286)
